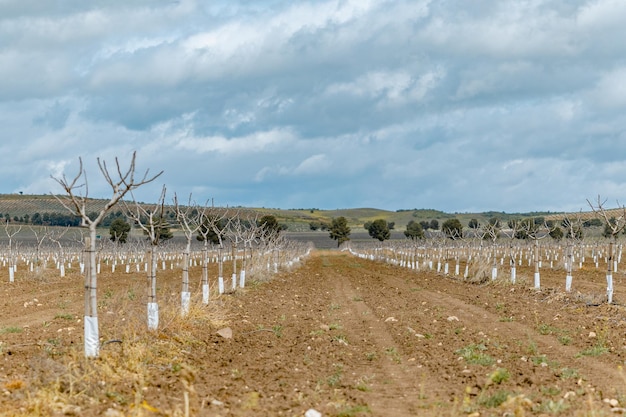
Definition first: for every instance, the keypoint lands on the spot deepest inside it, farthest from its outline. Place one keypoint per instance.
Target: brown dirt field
(339, 334)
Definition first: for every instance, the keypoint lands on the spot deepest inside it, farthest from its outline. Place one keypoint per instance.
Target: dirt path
(339, 334)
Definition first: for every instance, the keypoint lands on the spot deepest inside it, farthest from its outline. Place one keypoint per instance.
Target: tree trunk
(92, 339)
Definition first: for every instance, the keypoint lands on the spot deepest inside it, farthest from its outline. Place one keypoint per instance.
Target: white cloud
(316, 164)
(270, 141)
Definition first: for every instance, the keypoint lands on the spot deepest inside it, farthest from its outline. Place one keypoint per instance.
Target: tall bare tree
(190, 220)
(11, 231)
(75, 201)
(614, 225)
(150, 221)
(573, 234)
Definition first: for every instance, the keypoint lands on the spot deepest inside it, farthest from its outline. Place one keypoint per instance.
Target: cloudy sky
(456, 105)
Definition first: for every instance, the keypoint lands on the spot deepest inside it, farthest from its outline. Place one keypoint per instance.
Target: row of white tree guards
(479, 260)
(192, 219)
(259, 260)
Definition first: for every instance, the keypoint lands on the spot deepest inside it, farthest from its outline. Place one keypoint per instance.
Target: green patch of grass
(569, 373)
(334, 326)
(131, 295)
(393, 353)
(11, 329)
(494, 400)
(64, 316)
(532, 348)
(354, 410)
(539, 359)
(341, 339)
(363, 384)
(550, 391)
(357, 298)
(499, 376)
(551, 407)
(335, 306)
(474, 354)
(506, 319)
(335, 379)
(565, 340)
(546, 329)
(370, 356)
(597, 350)
(278, 330)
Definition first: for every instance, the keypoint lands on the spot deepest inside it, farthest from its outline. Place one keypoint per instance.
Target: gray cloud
(453, 105)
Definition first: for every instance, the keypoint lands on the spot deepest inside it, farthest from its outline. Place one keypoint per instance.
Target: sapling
(150, 221)
(75, 201)
(613, 226)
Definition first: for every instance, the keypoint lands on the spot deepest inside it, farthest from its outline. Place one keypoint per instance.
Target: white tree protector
(220, 285)
(568, 283)
(205, 293)
(92, 342)
(153, 316)
(234, 278)
(11, 274)
(62, 270)
(242, 278)
(494, 273)
(609, 287)
(185, 298)
(513, 273)
(537, 281)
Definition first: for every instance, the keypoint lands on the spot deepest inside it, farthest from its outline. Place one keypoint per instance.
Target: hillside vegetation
(16, 205)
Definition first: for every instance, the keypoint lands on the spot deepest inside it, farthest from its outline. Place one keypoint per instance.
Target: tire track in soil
(394, 384)
(448, 316)
(363, 333)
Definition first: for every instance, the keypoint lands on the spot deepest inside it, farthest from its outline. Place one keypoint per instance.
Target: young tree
(190, 221)
(339, 230)
(10, 232)
(379, 229)
(150, 222)
(211, 220)
(615, 226)
(76, 203)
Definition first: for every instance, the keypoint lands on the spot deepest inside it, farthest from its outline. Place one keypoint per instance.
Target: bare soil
(339, 334)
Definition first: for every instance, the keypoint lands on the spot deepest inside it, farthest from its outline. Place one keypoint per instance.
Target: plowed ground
(338, 334)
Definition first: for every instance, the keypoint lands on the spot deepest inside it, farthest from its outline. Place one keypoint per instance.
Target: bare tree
(573, 234)
(75, 201)
(11, 231)
(150, 222)
(248, 231)
(215, 222)
(190, 220)
(531, 229)
(41, 234)
(209, 217)
(56, 236)
(614, 225)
